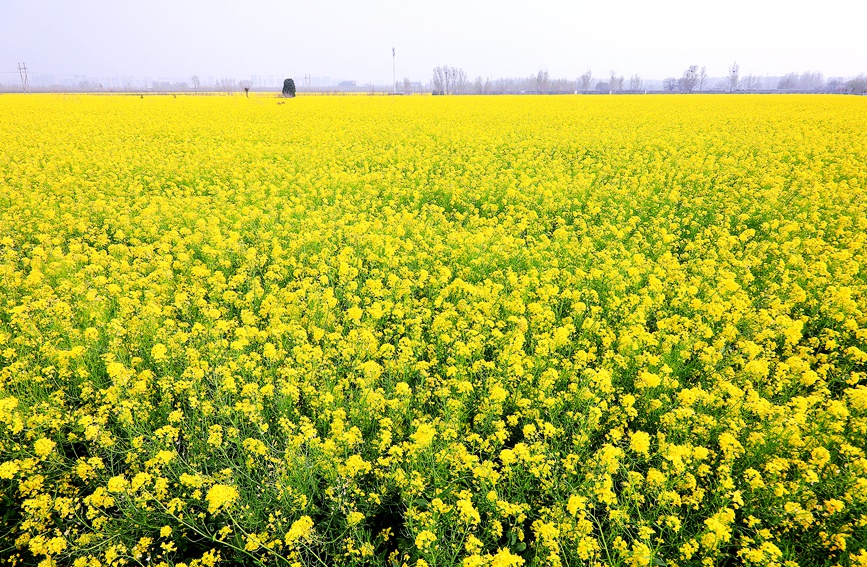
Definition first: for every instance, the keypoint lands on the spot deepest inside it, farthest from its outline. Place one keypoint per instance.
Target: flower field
(433, 331)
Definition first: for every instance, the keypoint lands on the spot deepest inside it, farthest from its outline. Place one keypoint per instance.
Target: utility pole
(393, 72)
(25, 82)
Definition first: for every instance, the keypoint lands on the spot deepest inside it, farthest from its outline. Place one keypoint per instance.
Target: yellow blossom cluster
(477, 331)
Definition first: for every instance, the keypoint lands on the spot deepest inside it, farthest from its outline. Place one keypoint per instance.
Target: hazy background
(340, 40)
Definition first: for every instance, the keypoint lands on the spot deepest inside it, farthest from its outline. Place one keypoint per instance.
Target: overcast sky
(488, 38)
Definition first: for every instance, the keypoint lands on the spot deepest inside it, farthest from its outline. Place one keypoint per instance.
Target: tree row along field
(433, 331)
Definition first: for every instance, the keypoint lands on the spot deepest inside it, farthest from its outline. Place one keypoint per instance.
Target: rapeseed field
(433, 331)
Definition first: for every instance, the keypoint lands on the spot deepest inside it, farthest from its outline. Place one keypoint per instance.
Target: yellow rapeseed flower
(221, 496)
(43, 447)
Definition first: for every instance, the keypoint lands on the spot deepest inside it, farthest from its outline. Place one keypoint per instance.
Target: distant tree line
(453, 80)
(449, 80)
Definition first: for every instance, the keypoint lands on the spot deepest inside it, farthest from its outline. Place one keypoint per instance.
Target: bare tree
(586, 80)
(788, 82)
(635, 83)
(439, 80)
(449, 80)
(246, 86)
(461, 84)
(835, 84)
(542, 79)
(751, 82)
(858, 85)
(197, 83)
(689, 79)
(615, 83)
(734, 76)
(810, 81)
(442, 80)
(670, 84)
(407, 86)
(702, 78)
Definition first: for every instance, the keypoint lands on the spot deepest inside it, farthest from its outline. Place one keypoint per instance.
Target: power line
(25, 82)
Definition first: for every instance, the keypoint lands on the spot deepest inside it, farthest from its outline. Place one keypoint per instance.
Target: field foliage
(433, 331)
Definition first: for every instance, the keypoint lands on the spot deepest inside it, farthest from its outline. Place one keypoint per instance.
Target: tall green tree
(289, 88)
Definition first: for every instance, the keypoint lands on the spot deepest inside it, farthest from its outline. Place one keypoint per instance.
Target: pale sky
(489, 38)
